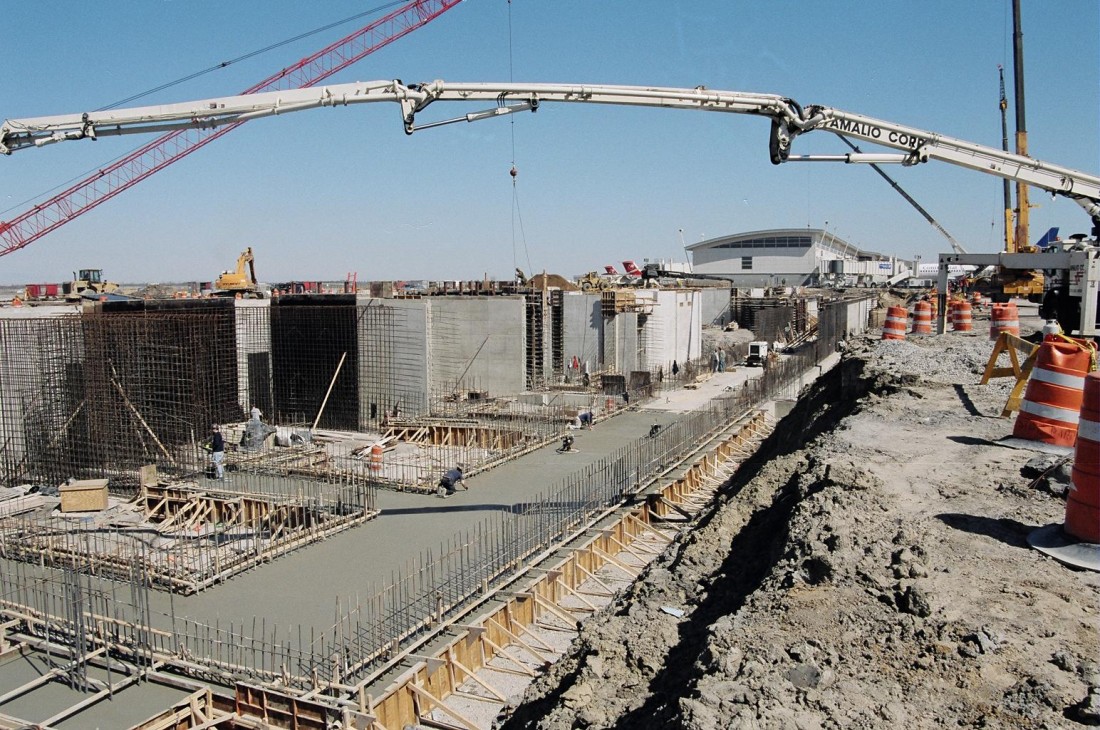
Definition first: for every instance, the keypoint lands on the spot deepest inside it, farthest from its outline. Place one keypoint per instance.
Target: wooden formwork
(503, 632)
(176, 507)
(459, 435)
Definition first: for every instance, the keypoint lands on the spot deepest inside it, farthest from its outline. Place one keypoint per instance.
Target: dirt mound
(868, 568)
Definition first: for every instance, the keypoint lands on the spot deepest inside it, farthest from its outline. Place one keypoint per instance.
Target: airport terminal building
(791, 257)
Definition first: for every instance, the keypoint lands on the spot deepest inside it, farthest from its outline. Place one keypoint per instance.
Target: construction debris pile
(868, 568)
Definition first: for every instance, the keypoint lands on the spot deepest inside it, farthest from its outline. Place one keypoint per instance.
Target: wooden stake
(329, 391)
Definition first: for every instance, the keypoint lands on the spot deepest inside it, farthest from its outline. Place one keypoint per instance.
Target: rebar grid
(416, 597)
(186, 536)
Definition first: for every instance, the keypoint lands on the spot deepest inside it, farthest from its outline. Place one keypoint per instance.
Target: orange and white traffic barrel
(975, 299)
(376, 457)
(1051, 408)
(1083, 501)
(1004, 318)
(894, 326)
(961, 317)
(922, 318)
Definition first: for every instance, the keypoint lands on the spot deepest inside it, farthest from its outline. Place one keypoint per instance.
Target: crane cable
(189, 77)
(514, 172)
(252, 54)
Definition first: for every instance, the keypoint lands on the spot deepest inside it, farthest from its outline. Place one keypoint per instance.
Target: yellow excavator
(231, 283)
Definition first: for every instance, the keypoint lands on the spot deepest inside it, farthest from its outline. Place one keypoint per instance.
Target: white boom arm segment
(788, 120)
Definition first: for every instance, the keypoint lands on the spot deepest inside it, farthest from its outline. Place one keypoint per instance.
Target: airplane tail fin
(631, 268)
(610, 270)
(1048, 238)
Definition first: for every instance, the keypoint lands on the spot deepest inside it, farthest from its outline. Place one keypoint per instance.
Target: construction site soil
(868, 568)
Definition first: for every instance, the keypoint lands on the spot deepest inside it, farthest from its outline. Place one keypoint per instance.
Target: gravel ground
(868, 568)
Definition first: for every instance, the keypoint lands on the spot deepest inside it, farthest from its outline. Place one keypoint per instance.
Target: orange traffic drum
(922, 318)
(376, 452)
(1051, 408)
(1004, 318)
(894, 327)
(961, 316)
(1083, 501)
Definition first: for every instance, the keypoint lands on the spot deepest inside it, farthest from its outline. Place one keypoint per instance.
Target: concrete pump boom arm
(788, 120)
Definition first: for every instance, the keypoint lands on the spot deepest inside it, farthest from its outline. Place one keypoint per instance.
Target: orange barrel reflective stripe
(1005, 318)
(894, 326)
(922, 318)
(962, 320)
(1051, 408)
(1083, 501)
(376, 457)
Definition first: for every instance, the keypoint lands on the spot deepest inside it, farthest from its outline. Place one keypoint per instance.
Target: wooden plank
(435, 701)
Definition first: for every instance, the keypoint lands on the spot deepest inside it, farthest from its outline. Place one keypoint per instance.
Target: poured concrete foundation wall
(582, 325)
(620, 342)
(673, 331)
(478, 343)
(715, 304)
(858, 314)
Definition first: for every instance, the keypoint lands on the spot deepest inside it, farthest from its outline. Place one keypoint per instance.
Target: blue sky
(322, 193)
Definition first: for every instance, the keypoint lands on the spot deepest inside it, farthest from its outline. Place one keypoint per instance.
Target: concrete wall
(858, 315)
(582, 332)
(673, 329)
(715, 305)
(621, 342)
(478, 342)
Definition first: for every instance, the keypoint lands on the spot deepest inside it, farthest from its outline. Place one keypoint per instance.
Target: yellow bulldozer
(594, 282)
(87, 283)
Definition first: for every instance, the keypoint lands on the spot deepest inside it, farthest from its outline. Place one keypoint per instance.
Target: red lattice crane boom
(122, 174)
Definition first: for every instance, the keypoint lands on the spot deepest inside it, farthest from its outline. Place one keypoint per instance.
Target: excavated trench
(632, 664)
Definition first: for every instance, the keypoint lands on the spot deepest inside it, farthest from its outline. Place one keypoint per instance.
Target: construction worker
(451, 479)
(586, 419)
(217, 452)
(566, 443)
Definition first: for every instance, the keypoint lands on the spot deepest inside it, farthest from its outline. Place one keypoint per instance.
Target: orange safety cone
(1051, 408)
(1004, 318)
(1083, 502)
(894, 326)
(16, 302)
(922, 318)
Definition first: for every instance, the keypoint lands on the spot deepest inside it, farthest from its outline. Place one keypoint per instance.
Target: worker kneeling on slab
(451, 479)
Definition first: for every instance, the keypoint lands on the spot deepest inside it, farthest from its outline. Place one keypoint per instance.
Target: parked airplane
(954, 271)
